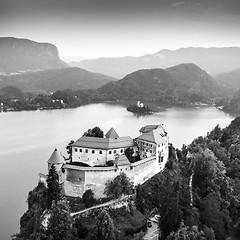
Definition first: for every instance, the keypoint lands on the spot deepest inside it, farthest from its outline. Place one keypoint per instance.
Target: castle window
(100, 152)
(131, 168)
(110, 152)
(114, 151)
(80, 150)
(86, 150)
(93, 151)
(147, 144)
(75, 149)
(150, 151)
(121, 150)
(150, 145)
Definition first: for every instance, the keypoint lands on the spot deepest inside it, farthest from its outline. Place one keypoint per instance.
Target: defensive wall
(76, 179)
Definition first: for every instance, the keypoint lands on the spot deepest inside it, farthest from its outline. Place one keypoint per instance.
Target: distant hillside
(57, 79)
(230, 80)
(184, 83)
(11, 92)
(24, 55)
(212, 60)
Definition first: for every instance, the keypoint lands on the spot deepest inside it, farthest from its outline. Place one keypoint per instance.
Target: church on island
(97, 160)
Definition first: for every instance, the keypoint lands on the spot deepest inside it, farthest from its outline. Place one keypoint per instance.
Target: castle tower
(111, 134)
(55, 159)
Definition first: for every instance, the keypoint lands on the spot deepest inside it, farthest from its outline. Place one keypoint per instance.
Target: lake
(27, 139)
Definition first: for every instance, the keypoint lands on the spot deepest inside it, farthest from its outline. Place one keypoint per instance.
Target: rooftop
(154, 136)
(122, 160)
(148, 128)
(111, 134)
(55, 158)
(104, 143)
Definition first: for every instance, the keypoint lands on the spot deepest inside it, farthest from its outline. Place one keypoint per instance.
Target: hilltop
(20, 55)
(185, 83)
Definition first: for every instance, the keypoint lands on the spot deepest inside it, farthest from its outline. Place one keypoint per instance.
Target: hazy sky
(98, 28)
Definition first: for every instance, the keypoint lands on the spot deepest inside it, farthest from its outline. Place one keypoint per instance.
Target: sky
(110, 28)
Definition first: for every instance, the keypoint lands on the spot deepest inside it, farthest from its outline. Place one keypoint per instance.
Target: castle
(97, 160)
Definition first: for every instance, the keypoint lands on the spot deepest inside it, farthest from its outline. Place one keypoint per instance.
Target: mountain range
(21, 55)
(213, 60)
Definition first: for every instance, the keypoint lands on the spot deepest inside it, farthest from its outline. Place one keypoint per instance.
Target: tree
(118, 186)
(88, 198)
(104, 228)
(38, 196)
(187, 233)
(69, 150)
(94, 132)
(30, 222)
(129, 154)
(60, 222)
(54, 189)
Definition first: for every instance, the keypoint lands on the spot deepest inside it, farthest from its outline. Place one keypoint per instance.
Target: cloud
(177, 4)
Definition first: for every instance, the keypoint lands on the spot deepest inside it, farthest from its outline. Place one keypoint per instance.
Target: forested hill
(198, 193)
(229, 80)
(184, 83)
(56, 79)
(19, 55)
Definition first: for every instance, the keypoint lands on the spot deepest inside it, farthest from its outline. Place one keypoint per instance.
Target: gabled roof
(154, 136)
(103, 143)
(148, 128)
(111, 134)
(122, 160)
(55, 158)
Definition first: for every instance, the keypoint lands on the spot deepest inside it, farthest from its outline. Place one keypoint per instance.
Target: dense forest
(198, 193)
(197, 197)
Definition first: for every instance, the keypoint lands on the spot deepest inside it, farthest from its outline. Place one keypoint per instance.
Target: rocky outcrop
(20, 55)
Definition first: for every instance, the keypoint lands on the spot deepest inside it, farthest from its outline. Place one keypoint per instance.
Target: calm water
(27, 139)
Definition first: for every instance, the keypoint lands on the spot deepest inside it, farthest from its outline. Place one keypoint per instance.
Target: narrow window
(121, 150)
(75, 149)
(114, 151)
(86, 150)
(80, 150)
(100, 152)
(110, 152)
(93, 151)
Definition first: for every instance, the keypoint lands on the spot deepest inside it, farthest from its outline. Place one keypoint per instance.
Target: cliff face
(24, 55)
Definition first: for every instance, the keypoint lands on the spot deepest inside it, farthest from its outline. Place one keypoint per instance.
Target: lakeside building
(98, 160)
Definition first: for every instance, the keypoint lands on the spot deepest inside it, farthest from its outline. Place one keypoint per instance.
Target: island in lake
(139, 108)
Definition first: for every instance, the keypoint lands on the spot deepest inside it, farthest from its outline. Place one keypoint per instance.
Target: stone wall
(79, 179)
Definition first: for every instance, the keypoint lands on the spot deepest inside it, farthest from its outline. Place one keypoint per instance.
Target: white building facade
(89, 168)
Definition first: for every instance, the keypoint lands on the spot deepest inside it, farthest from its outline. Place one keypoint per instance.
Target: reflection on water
(27, 139)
